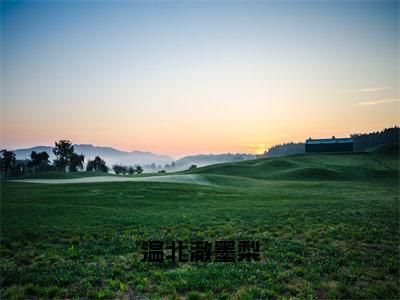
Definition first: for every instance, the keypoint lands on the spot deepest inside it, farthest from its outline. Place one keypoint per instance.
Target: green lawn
(79, 174)
(328, 226)
(62, 175)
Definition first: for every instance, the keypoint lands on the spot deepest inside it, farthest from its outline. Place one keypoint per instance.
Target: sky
(189, 77)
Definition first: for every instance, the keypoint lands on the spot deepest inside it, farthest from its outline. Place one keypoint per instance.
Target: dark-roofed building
(329, 145)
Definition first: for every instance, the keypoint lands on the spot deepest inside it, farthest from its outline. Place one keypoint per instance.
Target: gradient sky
(196, 77)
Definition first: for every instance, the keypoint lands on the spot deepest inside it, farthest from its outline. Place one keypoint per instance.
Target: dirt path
(187, 178)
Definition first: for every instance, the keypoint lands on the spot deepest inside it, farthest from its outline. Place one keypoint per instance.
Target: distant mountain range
(110, 155)
(145, 159)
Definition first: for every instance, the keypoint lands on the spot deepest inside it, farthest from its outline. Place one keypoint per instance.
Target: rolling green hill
(379, 164)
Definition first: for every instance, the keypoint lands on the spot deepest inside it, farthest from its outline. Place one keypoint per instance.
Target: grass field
(328, 226)
(61, 175)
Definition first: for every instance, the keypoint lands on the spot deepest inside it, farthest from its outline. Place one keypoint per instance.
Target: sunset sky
(178, 77)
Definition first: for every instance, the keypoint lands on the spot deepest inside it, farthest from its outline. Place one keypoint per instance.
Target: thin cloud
(376, 102)
(371, 89)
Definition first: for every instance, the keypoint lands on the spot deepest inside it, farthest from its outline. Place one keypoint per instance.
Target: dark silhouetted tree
(366, 141)
(120, 169)
(131, 170)
(63, 151)
(76, 162)
(284, 149)
(97, 164)
(139, 170)
(7, 161)
(39, 161)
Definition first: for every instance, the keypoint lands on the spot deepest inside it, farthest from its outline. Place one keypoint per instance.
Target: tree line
(365, 141)
(121, 169)
(67, 160)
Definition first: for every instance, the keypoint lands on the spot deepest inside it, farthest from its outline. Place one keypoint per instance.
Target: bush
(131, 170)
(98, 164)
(120, 169)
(139, 170)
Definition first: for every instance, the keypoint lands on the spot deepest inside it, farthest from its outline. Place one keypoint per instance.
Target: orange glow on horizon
(183, 144)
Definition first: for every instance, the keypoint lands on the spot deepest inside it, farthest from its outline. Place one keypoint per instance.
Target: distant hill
(210, 159)
(362, 142)
(109, 154)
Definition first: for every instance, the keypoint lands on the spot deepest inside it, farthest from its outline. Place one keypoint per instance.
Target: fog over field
(109, 154)
(143, 158)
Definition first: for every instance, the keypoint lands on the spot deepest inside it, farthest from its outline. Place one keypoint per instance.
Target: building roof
(333, 140)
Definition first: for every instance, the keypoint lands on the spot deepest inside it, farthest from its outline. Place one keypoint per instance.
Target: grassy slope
(352, 166)
(327, 236)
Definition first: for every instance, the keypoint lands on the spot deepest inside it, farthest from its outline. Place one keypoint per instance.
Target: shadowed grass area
(320, 237)
(386, 149)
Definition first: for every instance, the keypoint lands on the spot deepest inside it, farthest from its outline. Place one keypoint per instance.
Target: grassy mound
(381, 164)
(312, 173)
(276, 164)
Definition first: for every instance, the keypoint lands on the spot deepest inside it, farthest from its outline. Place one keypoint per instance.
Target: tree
(139, 170)
(124, 170)
(284, 149)
(131, 170)
(116, 169)
(366, 141)
(7, 161)
(75, 162)
(39, 161)
(63, 151)
(192, 167)
(97, 164)
(120, 169)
